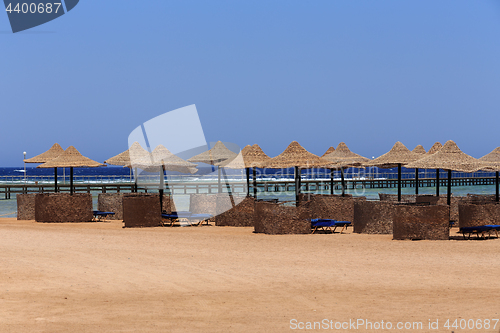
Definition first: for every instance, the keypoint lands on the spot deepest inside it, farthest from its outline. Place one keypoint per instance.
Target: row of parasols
(448, 157)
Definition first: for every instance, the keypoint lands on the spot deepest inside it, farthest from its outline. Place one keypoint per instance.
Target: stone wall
(443, 201)
(335, 207)
(63, 207)
(25, 206)
(477, 214)
(241, 215)
(373, 217)
(275, 219)
(141, 210)
(421, 222)
(111, 202)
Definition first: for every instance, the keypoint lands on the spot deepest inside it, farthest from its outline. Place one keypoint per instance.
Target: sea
(111, 174)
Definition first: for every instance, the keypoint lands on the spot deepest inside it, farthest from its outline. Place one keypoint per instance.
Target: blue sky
(368, 73)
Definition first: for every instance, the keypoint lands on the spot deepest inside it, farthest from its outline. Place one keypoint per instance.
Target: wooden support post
(416, 181)
(248, 181)
(254, 178)
(343, 181)
(71, 180)
(448, 199)
(55, 180)
(496, 186)
(399, 182)
(297, 186)
(331, 181)
(437, 182)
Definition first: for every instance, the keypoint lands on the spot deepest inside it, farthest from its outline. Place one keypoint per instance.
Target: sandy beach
(99, 277)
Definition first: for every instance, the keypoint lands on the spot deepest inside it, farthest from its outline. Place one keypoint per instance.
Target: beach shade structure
(123, 159)
(434, 149)
(449, 157)
(399, 155)
(297, 157)
(135, 152)
(215, 156)
(328, 151)
(50, 154)
(493, 159)
(161, 160)
(421, 151)
(249, 157)
(343, 157)
(71, 158)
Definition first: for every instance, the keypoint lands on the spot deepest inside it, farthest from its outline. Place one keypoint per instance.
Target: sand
(99, 277)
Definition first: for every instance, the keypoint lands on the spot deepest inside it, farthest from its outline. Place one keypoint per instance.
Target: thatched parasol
(215, 156)
(161, 160)
(435, 148)
(249, 157)
(450, 157)
(328, 151)
(419, 149)
(128, 159)
(71, 158)
(299, 158)
(343, 157)
(493, 159)
(50, 154)
(399, 155)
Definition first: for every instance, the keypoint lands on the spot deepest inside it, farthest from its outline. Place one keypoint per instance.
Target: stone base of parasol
(416, 222)
(275, 219)
(478, 214)
(63, 207)
(141, 210)
(241, 215)
(373, 217)
(25, 206)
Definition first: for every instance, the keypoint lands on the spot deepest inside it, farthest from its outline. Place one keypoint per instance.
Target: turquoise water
(8, 208)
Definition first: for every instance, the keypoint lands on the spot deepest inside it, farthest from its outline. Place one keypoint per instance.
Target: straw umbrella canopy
(435, 148)
(161, 160)
(419, 149)
(450, 157)
(493, 159)
(399, 155)
(215, 156)
(299, 158)
(249, 157)
(328, 151)
(71, 158)
(343, 157)
(50, 154)
(128, 158)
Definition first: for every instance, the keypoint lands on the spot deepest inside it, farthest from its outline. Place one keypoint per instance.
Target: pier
(7, 190)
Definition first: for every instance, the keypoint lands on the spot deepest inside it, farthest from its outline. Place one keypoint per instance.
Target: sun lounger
(190, 218)
(327, 224)
(483, 229)
(99, 216)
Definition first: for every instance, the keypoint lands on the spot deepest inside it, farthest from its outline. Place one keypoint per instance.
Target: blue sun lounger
(192, 219)
(327, 224)
(483, 229)
(99, 216)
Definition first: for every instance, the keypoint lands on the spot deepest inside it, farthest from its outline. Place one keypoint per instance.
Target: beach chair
(480, 230)
(327, 224)
(185, 216)
(170, 219)
(99, 216)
